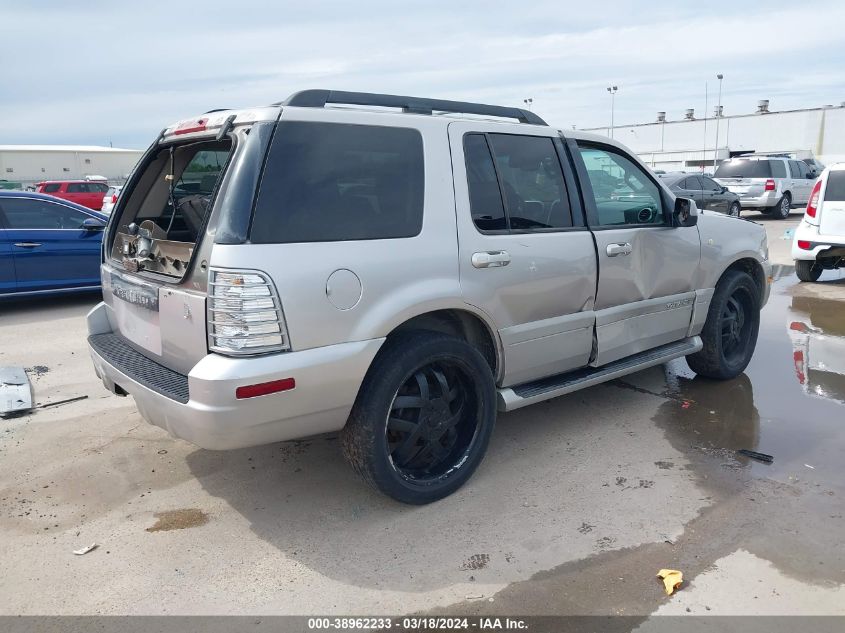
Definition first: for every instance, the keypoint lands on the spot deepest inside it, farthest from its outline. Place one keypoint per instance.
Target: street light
(612, 90)
(528, 102)
(719, 76)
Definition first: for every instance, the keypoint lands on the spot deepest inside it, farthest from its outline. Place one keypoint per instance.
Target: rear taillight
(770, 185)
(114, 198)
(813, 204)
(804, 245)
(244, 313)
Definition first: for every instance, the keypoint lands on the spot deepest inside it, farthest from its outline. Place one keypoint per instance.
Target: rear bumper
(210, 416)
(768, 199)
(807, 232)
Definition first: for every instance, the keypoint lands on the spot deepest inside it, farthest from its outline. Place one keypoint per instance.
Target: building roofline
(713, 118)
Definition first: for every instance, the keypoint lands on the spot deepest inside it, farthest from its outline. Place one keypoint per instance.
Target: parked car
(816, 167)
(399, 277)
(47, 245)
(110, 199)
(819, 241)
(707, 193)
(87, 193)
(770, 184)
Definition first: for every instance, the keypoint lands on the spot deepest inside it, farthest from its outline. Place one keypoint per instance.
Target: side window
(778, 168)
(485, 197)
(624, 194)
(99, 187)
(328, 182)
(804, 169)
(794, 169)
(692, 184)
(710, 185)
(22, 213)
(532, 182)
(77, 187)
(835, 189)
(52, 187)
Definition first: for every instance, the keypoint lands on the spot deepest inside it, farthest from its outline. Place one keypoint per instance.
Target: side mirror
(93, 224)
(724, 190)
(811, 176)
(683, 214)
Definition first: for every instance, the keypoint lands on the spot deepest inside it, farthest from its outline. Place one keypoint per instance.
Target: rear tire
(783, 207)
(423, 417)
(808, 270)
(730, 331)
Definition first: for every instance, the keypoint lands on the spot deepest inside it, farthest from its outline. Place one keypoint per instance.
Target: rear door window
(328, 182)
(776, 167)
(794, 169)
(692, 184)
(77, 187)
(745, 168)
(835, 191)
(485, 197)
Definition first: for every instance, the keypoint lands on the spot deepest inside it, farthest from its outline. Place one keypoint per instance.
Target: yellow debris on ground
(672, 579)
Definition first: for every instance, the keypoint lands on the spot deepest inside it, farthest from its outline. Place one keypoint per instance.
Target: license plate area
(136, 309)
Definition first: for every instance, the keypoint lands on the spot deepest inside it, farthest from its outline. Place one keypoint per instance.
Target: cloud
(120, 72)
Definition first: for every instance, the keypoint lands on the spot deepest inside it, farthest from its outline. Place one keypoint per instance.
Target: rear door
(808, 180)
(832, 221)
(691, 188)
(7, 261)
(526, 257)
(88, 194)
(50, 248)
(646, 266)
(715, 198)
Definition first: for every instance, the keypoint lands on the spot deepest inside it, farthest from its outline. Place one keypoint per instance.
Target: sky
(118, 72)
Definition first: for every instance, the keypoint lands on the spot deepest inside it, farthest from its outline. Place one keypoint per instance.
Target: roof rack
(416, 105)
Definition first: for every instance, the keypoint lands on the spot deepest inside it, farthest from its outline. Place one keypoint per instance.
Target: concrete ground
(578, 504)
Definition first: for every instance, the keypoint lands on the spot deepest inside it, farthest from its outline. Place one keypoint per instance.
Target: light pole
(528, 102)
(612, 90)
(719, 76)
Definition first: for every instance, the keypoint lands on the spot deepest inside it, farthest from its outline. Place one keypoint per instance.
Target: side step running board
(511, 398)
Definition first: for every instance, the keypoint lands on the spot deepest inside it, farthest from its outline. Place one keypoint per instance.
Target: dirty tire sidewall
(808, 270)
(364, 439)
(711, 361)
(735, 210)
(781, 211)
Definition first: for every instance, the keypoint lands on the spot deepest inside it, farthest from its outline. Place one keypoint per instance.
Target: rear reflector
(813, 204)
(770, 185)
(804, 245)
(191, 126)
(265, 388)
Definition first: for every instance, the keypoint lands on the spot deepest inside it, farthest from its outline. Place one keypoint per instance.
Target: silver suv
(770, 184)
(399, 269)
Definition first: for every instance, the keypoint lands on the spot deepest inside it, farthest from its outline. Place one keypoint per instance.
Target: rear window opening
(166, 210)
(744, 168)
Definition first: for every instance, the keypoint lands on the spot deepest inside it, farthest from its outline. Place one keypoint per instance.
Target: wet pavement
(578, 504)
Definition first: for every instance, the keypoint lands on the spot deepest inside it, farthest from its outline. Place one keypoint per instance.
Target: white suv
(819, 241)
(770, 184)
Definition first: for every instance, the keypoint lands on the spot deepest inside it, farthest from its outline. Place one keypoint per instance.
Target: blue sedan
(48, 245)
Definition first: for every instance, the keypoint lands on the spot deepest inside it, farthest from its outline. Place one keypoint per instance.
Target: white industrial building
(29, 164)
(690, 144)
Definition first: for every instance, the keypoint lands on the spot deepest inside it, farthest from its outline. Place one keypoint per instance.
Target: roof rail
(416, 105)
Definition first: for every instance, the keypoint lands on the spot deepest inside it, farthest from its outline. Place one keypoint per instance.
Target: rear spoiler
(217, 123)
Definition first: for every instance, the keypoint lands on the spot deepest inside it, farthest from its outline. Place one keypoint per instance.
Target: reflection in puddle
(817, 331)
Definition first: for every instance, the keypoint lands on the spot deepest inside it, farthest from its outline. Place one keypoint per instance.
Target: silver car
(399, 269)
(770, 184)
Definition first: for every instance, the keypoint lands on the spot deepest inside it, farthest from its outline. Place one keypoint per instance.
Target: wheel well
(459, 323)
(752, 267)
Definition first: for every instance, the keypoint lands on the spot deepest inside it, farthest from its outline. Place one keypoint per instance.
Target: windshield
(744, 168)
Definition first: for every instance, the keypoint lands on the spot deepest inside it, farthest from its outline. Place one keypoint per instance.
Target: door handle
(619, 249)
(490, 259)
(27, 244)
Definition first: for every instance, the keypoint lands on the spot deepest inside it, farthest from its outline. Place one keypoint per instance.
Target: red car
(85, 192)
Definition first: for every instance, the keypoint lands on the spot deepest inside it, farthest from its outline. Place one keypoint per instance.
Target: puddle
(178, 520)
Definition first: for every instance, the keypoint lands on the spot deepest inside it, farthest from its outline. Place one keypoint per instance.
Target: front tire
(808, 270)
(783, 207)
(423, 417)
(734, 209)
(730, 331)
